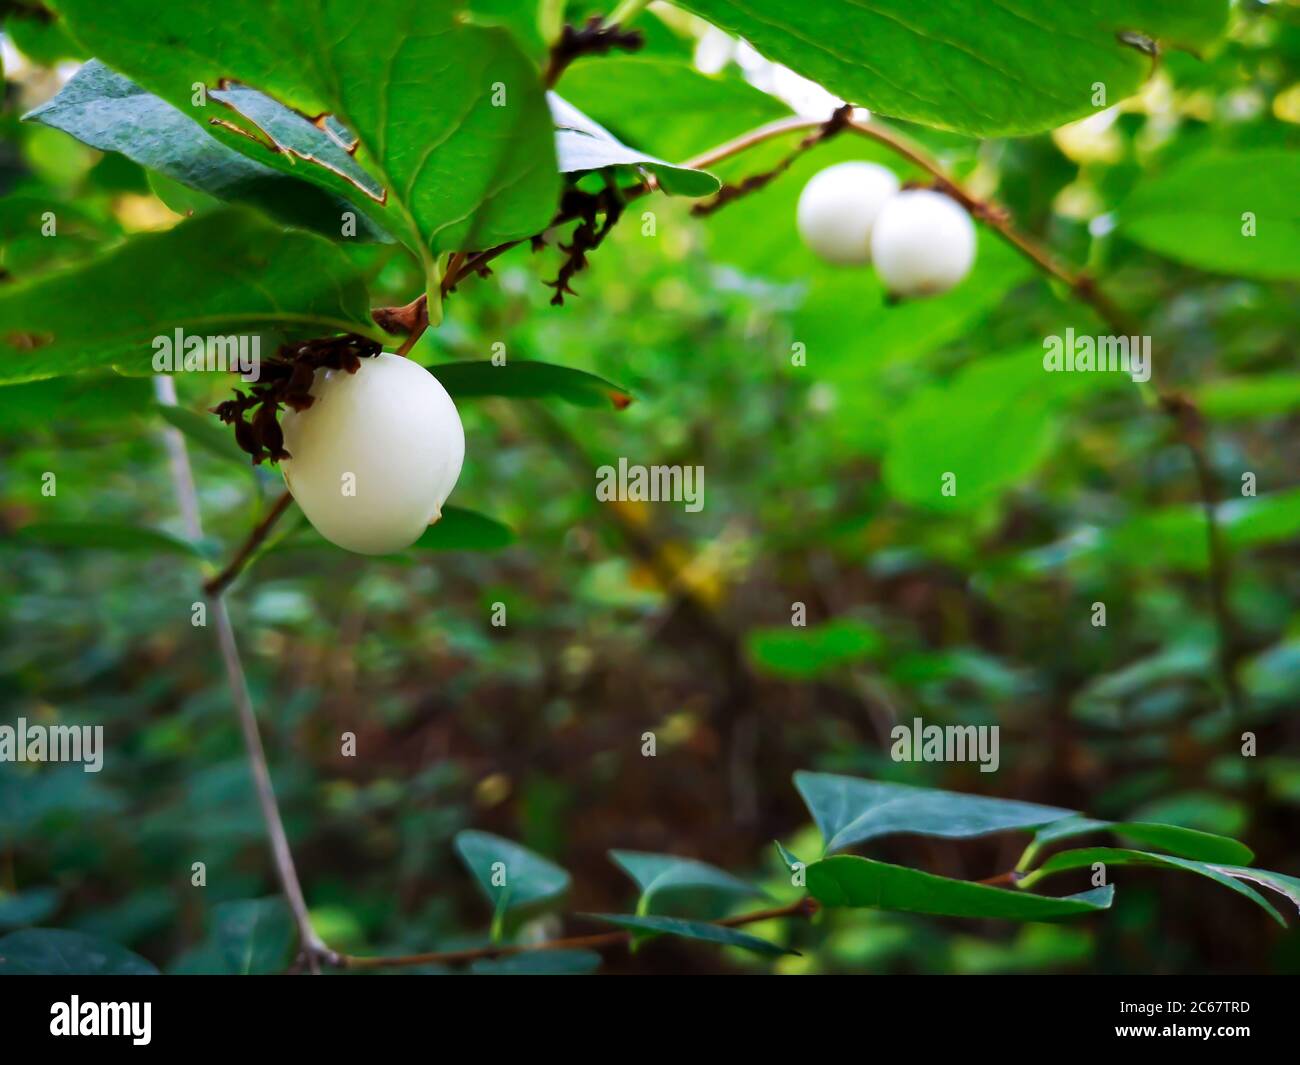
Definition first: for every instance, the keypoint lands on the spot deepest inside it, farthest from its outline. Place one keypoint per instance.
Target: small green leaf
(1087, 856)
(255, 936)
(1184, 842)
(583, 145)
(511, 876)
(457, 530)
(27, 907)
(786, 651)
(846, 880)
(127, 539)
(656, 874)
(58, 952)
(851, 810)
(523, 379)
(709, 933)
(226, 273)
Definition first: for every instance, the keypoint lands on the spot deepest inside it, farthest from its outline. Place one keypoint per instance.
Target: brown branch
(804, 907)
(214, 586)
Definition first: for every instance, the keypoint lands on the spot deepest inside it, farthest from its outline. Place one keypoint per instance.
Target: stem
(187, 499)
(214, 586)
(800, 907)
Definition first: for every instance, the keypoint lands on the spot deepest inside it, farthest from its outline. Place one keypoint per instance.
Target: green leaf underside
(222, 274)
(109, 112)
(1085, 857)
(255, 936)
(522, 379)
(457, 170)
(107, 536)
(661, 873)
(846, 880)
(851, 810)
(1016, 66)
(59, 952)
(809, 652)
(1195, 213)
(701, 930)
(529, 879)
(583, 144)
(457, 530)
(1184, 842)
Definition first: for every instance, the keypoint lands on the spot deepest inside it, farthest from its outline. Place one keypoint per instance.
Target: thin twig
(187, 499)
(805, 906)
(214, 586)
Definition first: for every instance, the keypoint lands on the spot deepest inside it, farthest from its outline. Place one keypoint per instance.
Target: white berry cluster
(921, 242)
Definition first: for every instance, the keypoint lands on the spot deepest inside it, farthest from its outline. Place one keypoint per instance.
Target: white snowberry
(838, 208)
(376, 455)
(923, 243)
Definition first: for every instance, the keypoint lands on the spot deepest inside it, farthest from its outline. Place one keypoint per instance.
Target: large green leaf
(708, 933)
(111, 113)
(457, 530)
(451, 118)
(1184, 842)
(229, 272)
(255, 936)
(1088, 856)
(58, 952)
(510, 875)
(1196, 213)
(846, 880)
(1016, 66)
(522, 379)
(657, 874)
(787, 651)
(851, 810)
(583, 145)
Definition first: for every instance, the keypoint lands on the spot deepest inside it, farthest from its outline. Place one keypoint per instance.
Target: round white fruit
(923, 243)
(838, 208)
(376, 455)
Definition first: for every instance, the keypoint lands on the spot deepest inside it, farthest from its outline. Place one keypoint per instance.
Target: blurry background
(632, 618)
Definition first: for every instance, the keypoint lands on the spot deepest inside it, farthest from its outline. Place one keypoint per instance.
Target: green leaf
(1196, 213)
(1279, 882)
(787, 651)
(255, 936)
(226, 273)
(583, 145)
(846, 880)
(109, 112)
(523, 379)
(1014, 67)
(457, 530)
(656, 874)
(991, 426)
(1087, 856)
(58, 952)
(205, 432)
(27, 907)
(539, 963)
(511, 876)
(1184, 842)
(450, 117)
(1249, 397)
(125, 539)
(709, 933)
(851, 810)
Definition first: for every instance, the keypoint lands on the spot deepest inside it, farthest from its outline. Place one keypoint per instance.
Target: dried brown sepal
(285, 381)
(587, 234)
(593, 38)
